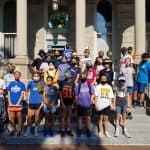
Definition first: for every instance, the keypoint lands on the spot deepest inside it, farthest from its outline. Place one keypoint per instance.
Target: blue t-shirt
(143, 73)
(76, 71)
(15, 89)
(63, 67)
(35, 96)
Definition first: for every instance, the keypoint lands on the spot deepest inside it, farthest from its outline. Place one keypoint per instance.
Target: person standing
(16, 91)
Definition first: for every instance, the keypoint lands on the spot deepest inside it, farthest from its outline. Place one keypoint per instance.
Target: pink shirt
(91, 75)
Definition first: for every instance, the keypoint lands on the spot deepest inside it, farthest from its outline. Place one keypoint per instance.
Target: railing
(7, 45)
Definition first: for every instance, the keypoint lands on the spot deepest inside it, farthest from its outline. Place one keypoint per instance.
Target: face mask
(36, 78)
(83, 80)
(73, 64)
(121, 83)
(10, 70)
(123, 52)
(103, 82)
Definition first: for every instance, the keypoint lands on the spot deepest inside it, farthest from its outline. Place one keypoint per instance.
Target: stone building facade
(26, 27)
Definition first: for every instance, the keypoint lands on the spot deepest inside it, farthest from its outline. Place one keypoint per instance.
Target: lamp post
(55, 4)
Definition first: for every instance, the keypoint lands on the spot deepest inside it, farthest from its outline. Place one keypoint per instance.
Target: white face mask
(36, 78)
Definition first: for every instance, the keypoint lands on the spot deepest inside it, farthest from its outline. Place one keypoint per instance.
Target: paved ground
(139, 128)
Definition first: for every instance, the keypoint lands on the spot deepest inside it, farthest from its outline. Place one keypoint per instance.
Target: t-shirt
(35, 97)
(15, 89)
(84, 95)
(83, 63)
(2, 87)
(63, 67)
(143, 73)
(68, 53)
(104, 94)
(8, 78)
(121, 96)
(51, 94)
(76, 71)
(67, 90)
(91, 75)
(128, 73)
(44, 66)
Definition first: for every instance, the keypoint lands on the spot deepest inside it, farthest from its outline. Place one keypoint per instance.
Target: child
(103, 103)
(50, 98)
(34, 95)
(129, 73)
(67, 100)
(84, 94)
(121, 106)
(16, 91)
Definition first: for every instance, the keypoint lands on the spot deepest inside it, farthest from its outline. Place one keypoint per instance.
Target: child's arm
(21, 98)
(9, 101)
(44, 99)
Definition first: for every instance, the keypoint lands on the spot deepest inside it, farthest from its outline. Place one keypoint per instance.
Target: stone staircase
(138, 127)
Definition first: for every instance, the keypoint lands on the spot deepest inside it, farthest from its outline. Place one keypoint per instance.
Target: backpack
(89, 86)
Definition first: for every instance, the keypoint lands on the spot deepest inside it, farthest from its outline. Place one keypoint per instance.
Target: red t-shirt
(91, 75)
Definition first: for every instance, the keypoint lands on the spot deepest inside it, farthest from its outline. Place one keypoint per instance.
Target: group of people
(66, 82)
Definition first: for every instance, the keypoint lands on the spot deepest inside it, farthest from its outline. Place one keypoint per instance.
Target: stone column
(21, 51)
(80, 25)
(140, 27)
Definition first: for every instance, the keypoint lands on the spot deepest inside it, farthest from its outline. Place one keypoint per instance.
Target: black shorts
(68, 102)
(82, 111)
(105, 111)
(34, 106)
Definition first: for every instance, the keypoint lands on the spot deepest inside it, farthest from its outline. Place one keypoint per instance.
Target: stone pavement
(138, 127)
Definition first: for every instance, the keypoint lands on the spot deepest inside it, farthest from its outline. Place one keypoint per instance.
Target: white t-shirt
(104, 94)
(44, 66)
(2, 87)
(128, 73)
(83, 63)
(9, 77)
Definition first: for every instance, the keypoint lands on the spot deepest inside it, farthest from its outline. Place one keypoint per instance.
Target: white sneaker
(27, 133)
(116, 132)
(107, 134)
(100, 134)
(127, 135)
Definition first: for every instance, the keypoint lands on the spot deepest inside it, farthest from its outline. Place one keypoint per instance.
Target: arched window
(104, 24)
(58, 19)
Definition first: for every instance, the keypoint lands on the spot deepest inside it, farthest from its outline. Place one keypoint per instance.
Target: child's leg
(12, 120)
(88, 122)
(52, 118)
(80, 122)
(106, 123)
(30, 114)
(100, 122)
(47, 117)
(124, 120)
(19, 118)
(37, 114)
(63, 117)
(142, 97)
(68, 117)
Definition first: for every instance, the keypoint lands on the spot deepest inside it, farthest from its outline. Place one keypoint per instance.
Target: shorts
(49, 109)
(139, 87)
(83, 111)
(34, 106)
(68, 102)
(130, 90)
(121, 109)
(105, 111)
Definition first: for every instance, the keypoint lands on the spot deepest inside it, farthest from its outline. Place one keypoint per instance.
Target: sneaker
(51, 133)
(62, 133)
(141, 105)
(89, 134)
(12, 133)
(100, 134)
(27, 133)
(18, 133)
(129, 116)
(45, 132)
(79, 133)
(107, 134)
(127, 134)
(69, 133)
(116, 133)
